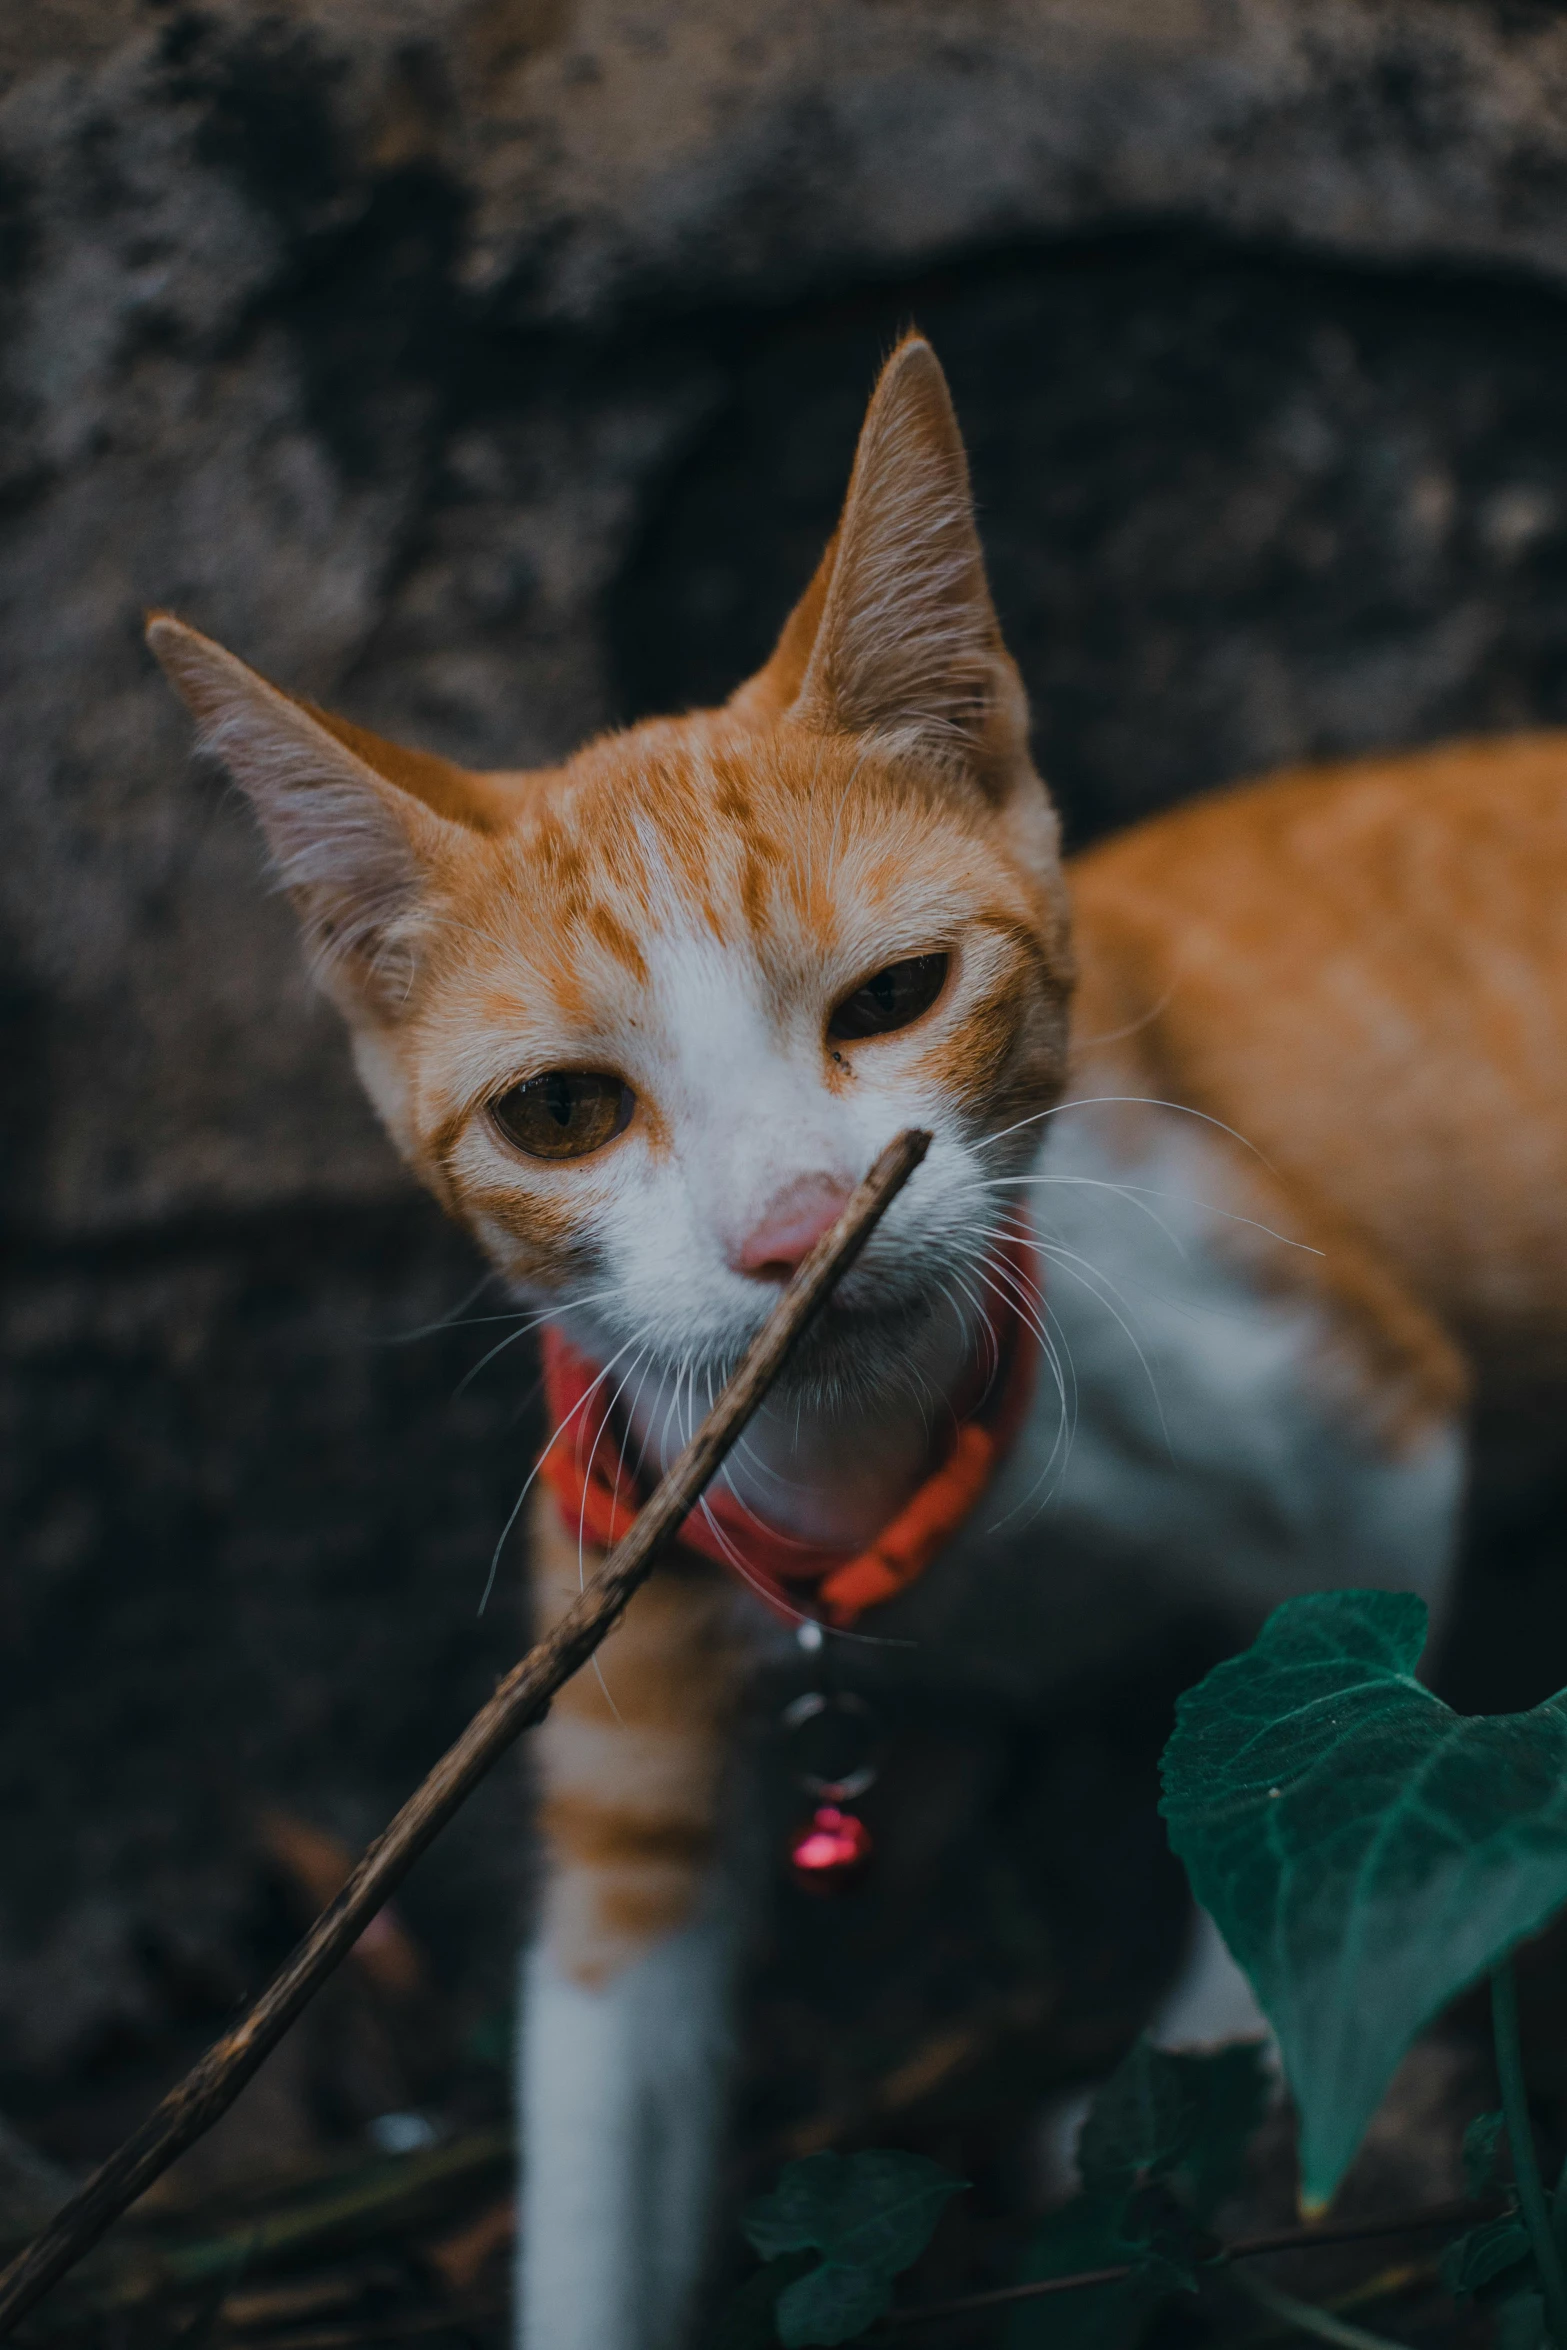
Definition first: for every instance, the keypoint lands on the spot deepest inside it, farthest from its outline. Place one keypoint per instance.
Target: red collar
(584, 1465)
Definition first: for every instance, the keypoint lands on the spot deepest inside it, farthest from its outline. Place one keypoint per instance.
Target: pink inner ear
(791, 1227)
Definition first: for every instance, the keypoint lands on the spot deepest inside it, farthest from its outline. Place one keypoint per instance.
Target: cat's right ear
(896, 635)
(359, 829)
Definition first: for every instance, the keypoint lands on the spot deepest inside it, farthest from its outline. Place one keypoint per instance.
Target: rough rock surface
(490, 368)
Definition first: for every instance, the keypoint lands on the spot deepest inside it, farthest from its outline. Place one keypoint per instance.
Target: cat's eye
(565, 1113)
(890, 999)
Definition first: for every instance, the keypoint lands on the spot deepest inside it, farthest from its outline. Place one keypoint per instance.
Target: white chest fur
(1196, 1420)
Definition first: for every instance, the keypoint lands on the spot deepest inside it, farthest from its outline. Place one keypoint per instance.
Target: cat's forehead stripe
(793, 865)
(604, 925)
(679, 827)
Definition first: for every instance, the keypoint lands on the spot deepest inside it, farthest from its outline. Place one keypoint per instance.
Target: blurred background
(490, 370)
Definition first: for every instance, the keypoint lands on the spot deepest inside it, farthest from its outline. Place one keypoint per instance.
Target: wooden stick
(520, 1701)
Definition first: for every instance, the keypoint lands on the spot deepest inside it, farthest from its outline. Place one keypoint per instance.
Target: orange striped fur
(632, 1780)
(1363, 971)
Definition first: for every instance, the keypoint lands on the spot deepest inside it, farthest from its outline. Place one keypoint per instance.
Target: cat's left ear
(361, 831)
(907, 645)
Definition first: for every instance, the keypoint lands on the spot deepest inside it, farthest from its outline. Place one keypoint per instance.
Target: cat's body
(641, 1021)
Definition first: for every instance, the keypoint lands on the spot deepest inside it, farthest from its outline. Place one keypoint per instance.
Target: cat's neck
(834, 1474)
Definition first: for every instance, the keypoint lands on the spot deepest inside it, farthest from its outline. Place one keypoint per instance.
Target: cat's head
(642, 1020)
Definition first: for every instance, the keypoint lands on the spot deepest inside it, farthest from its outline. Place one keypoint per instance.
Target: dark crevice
(1239, 508)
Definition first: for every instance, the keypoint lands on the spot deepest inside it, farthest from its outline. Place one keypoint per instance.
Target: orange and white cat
(640, 1022)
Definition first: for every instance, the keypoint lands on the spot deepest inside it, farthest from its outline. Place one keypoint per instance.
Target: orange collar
(584, 1466)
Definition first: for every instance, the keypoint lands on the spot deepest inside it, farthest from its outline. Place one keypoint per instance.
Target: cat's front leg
(622, 2093)
(627, 1989)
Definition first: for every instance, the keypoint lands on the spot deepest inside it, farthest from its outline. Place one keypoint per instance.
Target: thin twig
(1360, 2231)
(1310, 2239)
(521, 1700)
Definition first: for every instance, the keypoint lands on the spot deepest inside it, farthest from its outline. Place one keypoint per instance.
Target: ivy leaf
(833, 2304)
(871, 2211)
(1364, 1851)
(1481, 2142)
(1485, 2252)
(1147, 2232)
(869, 2215)
(1160, 2239)
(749, 2320)
(1138, 2126)
(1162, 2145)
(1085, 2233)
(1229, 2090)
(1177, 2116)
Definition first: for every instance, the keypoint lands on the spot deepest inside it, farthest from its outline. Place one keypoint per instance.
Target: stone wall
(490, 368)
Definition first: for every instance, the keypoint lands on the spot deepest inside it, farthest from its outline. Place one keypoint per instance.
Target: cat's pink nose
(791, 1227)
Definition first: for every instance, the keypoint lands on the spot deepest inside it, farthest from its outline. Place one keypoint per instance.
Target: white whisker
(530, 1323)
(1144, 1101)
(450, 1321)
(1138, 1193)
(532, 1476)
(1078, 1268)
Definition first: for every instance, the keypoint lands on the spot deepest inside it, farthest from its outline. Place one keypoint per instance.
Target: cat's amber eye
(889, 999)
(565, 1113)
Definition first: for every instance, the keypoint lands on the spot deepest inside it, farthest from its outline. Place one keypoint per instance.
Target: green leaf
(873, 2211)
(869, 2215)
(748, 2320)
(834, 2303)
(1085, 2233)
(1138, 2126)
(1229, 2090)
(1481, 2143)
(1161, 2122)
(1184, 2117)
(1160, 2239)
(1472, 2260)
(1364, 1851)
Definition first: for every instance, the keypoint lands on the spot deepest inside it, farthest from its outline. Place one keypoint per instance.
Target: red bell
(830, 1852)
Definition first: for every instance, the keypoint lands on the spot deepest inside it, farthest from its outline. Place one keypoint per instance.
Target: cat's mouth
(857, 1345)
(903, 1321)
